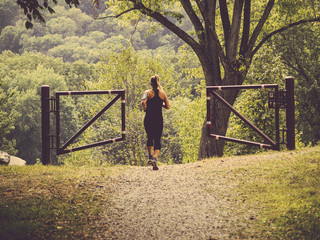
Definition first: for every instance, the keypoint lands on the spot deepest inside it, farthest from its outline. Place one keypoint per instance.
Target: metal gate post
(290, 116)
(123, 115)
(45, 124)
(277, 120)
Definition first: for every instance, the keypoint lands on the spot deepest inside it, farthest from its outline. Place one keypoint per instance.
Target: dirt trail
(190, 201)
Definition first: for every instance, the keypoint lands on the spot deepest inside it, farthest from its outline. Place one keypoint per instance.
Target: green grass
(50, 202)
(284, 189)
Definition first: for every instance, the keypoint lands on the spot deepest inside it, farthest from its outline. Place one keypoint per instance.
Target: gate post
(45, 124)
(290, 116)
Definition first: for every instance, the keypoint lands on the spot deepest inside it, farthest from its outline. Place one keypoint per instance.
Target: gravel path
(189, 201)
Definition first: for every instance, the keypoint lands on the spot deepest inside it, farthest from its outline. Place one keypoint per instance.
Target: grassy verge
(284, 189)
(49, 202)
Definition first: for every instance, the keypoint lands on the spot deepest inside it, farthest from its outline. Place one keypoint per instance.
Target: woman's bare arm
(166, 102)
(144, 101)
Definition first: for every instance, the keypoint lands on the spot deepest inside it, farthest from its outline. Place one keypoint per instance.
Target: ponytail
(155, 82)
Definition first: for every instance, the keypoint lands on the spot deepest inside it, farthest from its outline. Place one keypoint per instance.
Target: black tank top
(154, 105)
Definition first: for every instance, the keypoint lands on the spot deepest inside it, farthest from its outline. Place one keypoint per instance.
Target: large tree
(227, 34)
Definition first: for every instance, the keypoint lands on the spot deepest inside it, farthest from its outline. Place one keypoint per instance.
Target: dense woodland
(74, 51)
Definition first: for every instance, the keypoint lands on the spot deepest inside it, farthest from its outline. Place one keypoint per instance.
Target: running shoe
(154, 164)
(150, 161)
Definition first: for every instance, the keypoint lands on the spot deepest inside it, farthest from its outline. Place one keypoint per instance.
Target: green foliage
(293, 9)
(121, 68)
(300, 54)
(10, 38)
(8, 14)
(75, 49)
(32, 9)
(41, 44)
(188, 118)
(25, 76)
(74, 35)
(63, 26)
(6, 123)
(129, 71)
(77, 73)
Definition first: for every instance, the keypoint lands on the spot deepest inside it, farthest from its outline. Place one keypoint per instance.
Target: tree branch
(260, 24)
(235, 29)
(266, 38)
(225, 20)
(220, 51)
(192, 15)
(207, 9)
(202, 7)
(168, 24)
(246, 27)
(194, 19)
(134, 30)
(118, 15)
(299, 69)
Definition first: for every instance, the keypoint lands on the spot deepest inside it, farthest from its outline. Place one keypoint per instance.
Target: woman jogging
(153, 101)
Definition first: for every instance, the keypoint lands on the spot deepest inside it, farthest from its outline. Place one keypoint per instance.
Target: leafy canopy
(32, 9)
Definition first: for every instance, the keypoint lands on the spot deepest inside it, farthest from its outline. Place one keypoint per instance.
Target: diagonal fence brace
(89, 123)
(272, 145)
(63, 149)
(264, 136)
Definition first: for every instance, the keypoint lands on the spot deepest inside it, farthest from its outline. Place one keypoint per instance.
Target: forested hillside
(74, 51)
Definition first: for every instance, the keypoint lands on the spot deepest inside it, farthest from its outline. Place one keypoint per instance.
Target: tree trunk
(220, 115)
(208, 146)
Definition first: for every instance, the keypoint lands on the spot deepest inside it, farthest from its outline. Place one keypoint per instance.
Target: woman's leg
(148, 128)
(157, 140)
(156, 153)
(150, 150)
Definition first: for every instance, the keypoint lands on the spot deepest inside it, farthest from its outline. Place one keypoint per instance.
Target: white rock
(16, 161)
(4, 158)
